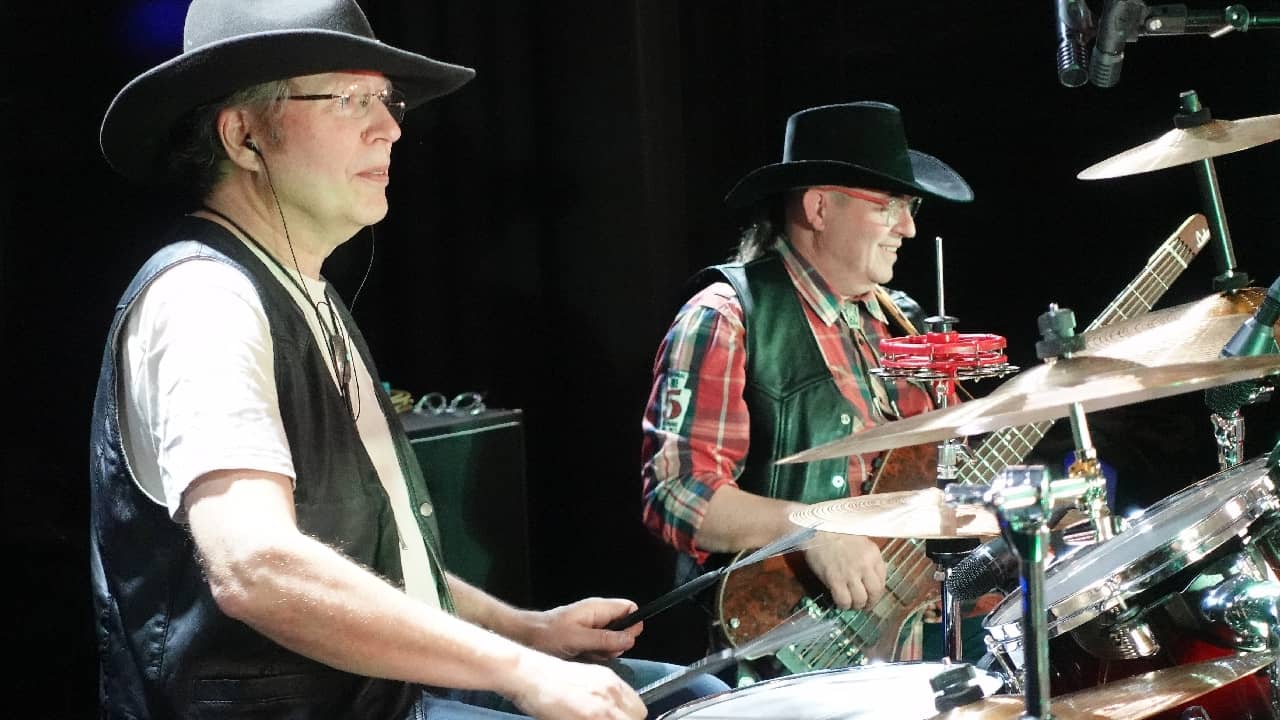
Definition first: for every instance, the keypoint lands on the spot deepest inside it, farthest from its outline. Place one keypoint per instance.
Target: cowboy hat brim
(136, 129)
(933, 179)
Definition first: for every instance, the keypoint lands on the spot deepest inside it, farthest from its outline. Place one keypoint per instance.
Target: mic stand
(1181, 20)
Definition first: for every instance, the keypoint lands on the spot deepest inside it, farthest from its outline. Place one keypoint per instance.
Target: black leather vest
(165, 649)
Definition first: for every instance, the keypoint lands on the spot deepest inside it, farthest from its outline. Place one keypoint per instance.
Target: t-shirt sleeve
(198, 381)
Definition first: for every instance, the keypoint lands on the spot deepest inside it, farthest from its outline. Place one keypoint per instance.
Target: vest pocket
(275, 696)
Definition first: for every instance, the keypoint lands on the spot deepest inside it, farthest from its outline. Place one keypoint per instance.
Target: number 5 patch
(675, 400)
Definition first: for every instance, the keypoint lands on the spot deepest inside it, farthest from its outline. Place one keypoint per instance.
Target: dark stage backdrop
(545, 217)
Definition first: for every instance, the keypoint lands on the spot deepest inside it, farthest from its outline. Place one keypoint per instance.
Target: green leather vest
(793, 400)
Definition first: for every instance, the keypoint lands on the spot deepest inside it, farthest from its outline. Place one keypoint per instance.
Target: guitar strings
(1130, 303)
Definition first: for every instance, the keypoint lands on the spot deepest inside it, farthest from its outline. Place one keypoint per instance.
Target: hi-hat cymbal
(1186, 145)
(1047, 392)
(1132, 698)
(906, 514)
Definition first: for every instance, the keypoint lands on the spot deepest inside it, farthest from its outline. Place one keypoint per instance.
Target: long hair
(197, 160)
(766, 224)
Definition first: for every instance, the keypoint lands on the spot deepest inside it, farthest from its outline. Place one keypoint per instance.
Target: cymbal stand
(1023, 498)
(941, 357)
(1192, 114)
(1059, 339)
(1255, 337)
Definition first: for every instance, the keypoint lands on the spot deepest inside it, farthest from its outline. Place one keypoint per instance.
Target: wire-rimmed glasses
(356, 105)
(434, 403)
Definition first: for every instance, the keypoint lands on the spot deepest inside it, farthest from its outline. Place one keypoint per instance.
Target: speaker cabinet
(475, 469)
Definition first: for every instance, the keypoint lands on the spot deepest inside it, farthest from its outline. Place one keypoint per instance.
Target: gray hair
(197, 160)
(766, 225)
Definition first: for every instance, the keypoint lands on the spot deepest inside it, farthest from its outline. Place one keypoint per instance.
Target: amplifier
(475, 469)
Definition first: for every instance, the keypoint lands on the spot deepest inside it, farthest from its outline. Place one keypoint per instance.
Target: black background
(544, 218)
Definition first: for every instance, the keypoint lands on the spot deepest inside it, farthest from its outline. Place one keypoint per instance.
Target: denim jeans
(479, 705)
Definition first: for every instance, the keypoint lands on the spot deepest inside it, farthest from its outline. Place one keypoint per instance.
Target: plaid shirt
(696, 423)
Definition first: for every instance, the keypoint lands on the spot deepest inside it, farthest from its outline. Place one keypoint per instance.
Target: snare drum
(1129, 604)
(892, 691)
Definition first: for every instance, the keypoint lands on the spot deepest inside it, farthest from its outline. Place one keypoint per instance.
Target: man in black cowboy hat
(263, 542)
(772, 356)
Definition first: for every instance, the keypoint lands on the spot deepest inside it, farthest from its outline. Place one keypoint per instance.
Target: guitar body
(909, 468)
(754, 599)
(757, 598)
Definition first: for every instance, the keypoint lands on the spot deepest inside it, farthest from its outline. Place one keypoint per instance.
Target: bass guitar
(756, 598)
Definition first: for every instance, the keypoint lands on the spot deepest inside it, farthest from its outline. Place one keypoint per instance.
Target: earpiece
(249, 143)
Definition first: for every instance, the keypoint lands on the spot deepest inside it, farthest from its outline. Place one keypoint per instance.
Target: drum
(1130, 604)
(892, 691)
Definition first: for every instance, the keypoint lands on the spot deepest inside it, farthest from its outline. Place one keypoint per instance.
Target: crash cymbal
(1184, 333)
(1047, 392)
(1186, 145)
(904, 514)
(1132, 698)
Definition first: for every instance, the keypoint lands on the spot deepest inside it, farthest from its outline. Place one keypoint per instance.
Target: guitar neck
(1011, 446)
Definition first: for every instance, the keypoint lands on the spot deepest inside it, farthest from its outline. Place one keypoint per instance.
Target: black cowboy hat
(229, 45)
(859, 144)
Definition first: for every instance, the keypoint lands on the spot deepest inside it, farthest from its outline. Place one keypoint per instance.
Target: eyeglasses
(356, 105)
(892, 205)
(467, 403)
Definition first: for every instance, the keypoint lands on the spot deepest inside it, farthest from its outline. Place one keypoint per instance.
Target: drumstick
(800, 628)
(702, 582)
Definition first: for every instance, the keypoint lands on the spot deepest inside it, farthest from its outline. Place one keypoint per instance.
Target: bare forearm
(314, 601)
(738, 520)
(477, 606)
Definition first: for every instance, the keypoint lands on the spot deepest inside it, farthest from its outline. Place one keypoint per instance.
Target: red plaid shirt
(696, 423)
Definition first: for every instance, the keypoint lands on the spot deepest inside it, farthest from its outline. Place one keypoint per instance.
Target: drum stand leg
(946, 554)
(1023, 503)
(1030, 543)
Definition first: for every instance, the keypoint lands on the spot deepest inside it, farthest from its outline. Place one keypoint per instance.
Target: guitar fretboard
(1010, 446)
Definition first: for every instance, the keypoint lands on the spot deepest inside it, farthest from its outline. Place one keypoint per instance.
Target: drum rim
(1252, 501)
(997, 680)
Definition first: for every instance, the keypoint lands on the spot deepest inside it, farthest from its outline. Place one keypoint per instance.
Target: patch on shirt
(675, 400)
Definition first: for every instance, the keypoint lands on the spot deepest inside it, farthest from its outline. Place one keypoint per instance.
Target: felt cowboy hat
(229, 45)
(859, 144)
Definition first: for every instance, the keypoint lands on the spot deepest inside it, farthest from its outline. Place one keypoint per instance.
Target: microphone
(993, 565)
(1256, 336)
(1119, 21)
(1075, 29)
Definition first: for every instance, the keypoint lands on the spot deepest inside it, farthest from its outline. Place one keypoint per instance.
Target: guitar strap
(894, 312)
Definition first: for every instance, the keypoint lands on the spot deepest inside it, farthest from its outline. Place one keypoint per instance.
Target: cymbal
(1047, 392)
(1188, 333)
(1183, 333)
(1134, 698)
(1186, 145)
(904, 514)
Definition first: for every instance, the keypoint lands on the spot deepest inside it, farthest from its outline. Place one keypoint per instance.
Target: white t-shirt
(198, 378)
